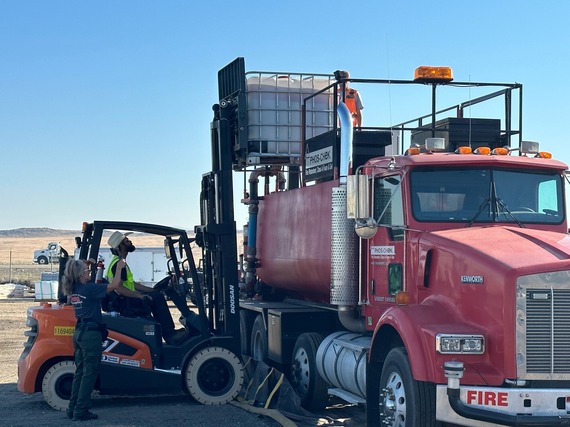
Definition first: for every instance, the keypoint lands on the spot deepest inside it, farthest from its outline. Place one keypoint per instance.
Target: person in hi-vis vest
(352, 98)
(142, 297)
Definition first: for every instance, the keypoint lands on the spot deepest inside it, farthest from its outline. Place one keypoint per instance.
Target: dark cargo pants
(88, 349)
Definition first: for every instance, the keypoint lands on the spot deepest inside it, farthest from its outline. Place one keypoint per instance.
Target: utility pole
(10, 267)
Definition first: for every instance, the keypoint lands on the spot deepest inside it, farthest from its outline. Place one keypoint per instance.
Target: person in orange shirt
(352, 98)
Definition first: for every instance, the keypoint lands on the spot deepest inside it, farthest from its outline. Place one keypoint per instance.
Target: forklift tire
(56, 384)
(42, 260)
(214, 376)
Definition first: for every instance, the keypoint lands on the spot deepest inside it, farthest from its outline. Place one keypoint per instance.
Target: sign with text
(320, 157)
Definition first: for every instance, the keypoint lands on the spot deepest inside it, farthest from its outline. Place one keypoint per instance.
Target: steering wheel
(163, 283)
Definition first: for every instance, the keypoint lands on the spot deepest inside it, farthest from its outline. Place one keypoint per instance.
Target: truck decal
(384, 299)
(487, 398)
(378, 251)
(475, 280)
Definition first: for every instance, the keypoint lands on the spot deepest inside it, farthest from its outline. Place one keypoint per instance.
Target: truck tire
(259, 347)
(42, 260)
(56, 384)
(305, 378)
(214, 376)
(245, 327)
(404, 402)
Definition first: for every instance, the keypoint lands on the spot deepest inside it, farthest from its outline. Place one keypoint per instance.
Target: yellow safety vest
(129, 283)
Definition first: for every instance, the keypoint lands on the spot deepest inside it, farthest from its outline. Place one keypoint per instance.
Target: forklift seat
(124, 306)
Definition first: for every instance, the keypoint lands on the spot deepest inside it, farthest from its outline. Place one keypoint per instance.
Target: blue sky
(105, 106)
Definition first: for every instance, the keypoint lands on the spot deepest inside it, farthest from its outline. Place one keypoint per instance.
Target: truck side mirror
(358, 206)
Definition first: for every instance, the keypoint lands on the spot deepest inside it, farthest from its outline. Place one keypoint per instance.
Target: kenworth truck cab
(468, 266)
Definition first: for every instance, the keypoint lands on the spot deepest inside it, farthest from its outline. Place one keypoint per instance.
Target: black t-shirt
(86, 301)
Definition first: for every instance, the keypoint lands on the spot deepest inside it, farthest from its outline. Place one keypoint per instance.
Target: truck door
(53, 251)
(385, 251)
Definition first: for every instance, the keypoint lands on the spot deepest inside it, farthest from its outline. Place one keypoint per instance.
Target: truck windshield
(475, 195)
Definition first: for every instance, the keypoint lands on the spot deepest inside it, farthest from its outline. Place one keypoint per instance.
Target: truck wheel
(404, 402)
(245, 327)
(56, 384)
(259, 340)
(214, 376)
(42, 260)
(305, 378)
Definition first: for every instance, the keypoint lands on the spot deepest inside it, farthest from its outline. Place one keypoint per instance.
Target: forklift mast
(217, 232)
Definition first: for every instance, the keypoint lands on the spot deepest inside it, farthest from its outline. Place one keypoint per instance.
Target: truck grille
(543, 326)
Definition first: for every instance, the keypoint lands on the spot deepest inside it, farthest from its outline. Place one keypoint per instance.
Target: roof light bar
(433, 74)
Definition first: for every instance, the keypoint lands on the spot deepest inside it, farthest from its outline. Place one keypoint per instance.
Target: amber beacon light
(433, 74)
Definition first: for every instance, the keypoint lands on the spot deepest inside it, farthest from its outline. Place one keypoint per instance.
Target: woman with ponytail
(85, 297)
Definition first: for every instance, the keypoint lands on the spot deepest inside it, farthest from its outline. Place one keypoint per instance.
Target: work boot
(84, 416)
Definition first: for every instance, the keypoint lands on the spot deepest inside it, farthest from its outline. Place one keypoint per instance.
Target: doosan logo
(477, 280)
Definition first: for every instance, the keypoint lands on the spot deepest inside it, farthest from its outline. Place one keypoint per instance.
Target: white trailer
(148, 264)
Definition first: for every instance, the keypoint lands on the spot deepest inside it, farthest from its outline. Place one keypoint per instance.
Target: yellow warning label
(63, 330)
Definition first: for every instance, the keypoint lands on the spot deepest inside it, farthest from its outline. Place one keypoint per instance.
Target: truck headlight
(459, 344)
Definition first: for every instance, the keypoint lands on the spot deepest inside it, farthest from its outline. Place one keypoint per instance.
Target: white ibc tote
(274, 104)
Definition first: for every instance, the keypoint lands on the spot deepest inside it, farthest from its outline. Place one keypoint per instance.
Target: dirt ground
(18, 409)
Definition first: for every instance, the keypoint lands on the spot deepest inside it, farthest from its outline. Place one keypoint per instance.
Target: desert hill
(36, 232)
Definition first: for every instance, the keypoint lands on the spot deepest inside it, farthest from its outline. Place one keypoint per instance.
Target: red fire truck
(421, 268)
